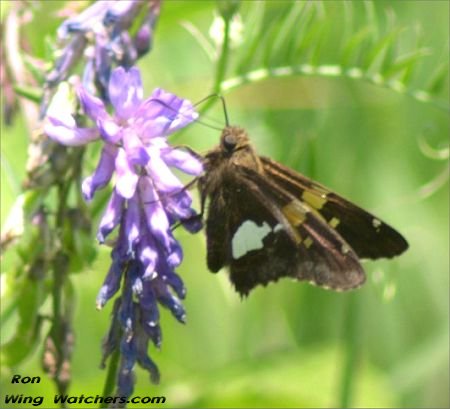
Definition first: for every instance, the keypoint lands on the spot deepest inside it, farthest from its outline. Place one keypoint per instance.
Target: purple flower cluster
(100, 36)
(146, 201)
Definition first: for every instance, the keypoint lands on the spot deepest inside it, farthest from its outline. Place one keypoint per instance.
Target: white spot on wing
(376, 223)
(278, 227)
(249, 236)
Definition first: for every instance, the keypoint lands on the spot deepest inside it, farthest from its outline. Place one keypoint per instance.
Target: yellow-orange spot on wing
(295, 213)
(308, 242)
(315, 199)
(334, 222)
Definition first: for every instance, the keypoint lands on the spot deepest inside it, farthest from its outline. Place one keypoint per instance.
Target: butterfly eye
(229, 142)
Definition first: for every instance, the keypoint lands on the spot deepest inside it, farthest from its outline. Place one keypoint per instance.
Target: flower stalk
(146, 201)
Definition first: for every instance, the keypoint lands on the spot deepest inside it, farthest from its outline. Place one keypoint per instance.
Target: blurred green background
(287, 345)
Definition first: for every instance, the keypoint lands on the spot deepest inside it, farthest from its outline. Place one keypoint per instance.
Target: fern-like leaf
(299, 38)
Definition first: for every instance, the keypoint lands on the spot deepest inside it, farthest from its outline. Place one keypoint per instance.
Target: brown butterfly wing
(262, 232)
(366, 234)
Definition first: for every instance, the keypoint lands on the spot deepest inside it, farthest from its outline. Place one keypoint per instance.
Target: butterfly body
(264, 221)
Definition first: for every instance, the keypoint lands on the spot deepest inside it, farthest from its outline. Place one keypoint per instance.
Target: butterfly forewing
(367, 235)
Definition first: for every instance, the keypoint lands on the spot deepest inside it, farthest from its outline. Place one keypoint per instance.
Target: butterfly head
(233, 138)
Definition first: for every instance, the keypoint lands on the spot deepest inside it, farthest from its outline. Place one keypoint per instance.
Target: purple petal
(70, 55)
(122, 11)
(175, 256)
(150, 313)
(111, 341)
(175, 282)
(125, 377)
(124, 49)
(157, 220)
(126, 177)
(177, 204)
(147, 301)
(111, 284)
(89, 75)
(163, 103)
(103, 61)
(128, 352)
(137, 286)
(125, 91)
(109, 130)
(182, 160)
(102, 174)
(167, 299)
(144, 36)
(143, 39)
(66, 132)
(132, 223)
(111, 217)
(93, 107)
(159, 142)
(163, 113)
(142, 356)
(136, 152)
(193, 223)
(160, 173)
(152, 328)
(148, 256)
(83, 21)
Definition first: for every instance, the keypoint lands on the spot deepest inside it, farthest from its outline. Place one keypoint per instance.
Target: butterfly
(265, 221)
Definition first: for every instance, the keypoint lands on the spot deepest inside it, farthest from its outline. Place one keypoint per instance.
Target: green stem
(333, 71)
(59, 277)
(58, 327)
(221, 68)
(223, 58)
(61, 304)
(110, 380)
(349, 367)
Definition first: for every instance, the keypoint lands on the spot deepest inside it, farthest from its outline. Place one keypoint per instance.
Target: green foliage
(299, 38)
(28, 329)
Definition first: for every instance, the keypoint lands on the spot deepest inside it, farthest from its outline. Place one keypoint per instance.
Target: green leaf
(283, 41)
(405, 62)
(84, 251)
(30, 93)
(311, 35)
(252, 34)
(437, 79)
(304, 24)
(323, 29)
(27, 336)
(34, 69)
(374, 58)
(270, 37)
(354, 46)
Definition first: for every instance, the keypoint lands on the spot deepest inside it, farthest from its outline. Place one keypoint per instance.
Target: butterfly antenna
(227, 122)
(183, 115)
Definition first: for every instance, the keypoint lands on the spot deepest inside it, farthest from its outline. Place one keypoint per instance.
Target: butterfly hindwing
(366, 234)
(217, 234)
